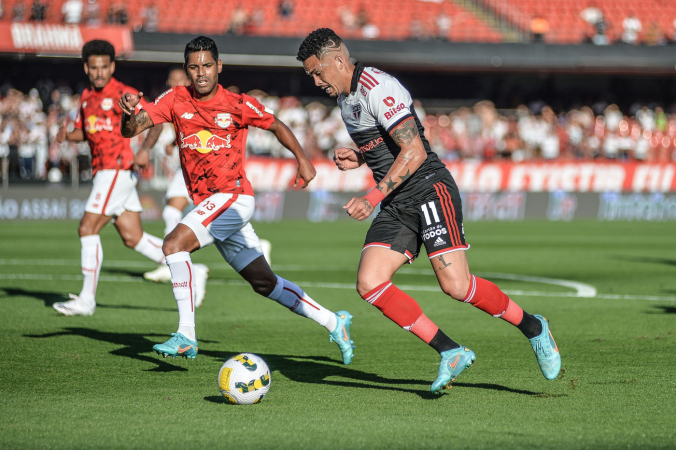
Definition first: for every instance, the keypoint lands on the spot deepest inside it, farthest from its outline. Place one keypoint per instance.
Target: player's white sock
(172, 217)
(293, 297)
(183, 283)
(150, 247)
(92, 257)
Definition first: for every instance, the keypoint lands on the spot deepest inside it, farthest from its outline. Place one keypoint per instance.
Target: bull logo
(107, 104)
(204, 142)
(223, 120)
(95, 124)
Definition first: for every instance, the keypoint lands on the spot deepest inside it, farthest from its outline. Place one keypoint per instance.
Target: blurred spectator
(2, 9)
(117, 14)
(444, 23)
(631, 27)
(285, 9)
(72, 11)
(238, 20)
(539, 26)
(654, 35)
(348, 20)
(591, 14)
(38, 11)
(370, 31)
(19, 11)
(362, 17)
(417, 29)
(92, 13)
(150, 16)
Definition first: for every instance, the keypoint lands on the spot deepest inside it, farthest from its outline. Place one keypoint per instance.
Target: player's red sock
(486, 296)
(403, 310)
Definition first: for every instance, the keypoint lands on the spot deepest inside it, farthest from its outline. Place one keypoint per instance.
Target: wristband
(374, 196)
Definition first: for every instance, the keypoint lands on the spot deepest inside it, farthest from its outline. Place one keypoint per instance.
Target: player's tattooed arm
(411, 156)
(135, 124)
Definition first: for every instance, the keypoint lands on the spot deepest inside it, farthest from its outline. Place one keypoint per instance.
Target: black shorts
(434, 220)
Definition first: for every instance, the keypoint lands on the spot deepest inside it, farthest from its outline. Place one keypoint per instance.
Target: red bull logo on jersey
(223, 120)
(95, 124)
(204, 142)
(389, 114)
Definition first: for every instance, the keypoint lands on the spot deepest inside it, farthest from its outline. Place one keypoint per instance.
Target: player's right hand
(129, 101)
(62, 134)
(346, 158)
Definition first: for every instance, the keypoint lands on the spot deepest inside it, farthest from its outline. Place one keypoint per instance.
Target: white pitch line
(349, 286)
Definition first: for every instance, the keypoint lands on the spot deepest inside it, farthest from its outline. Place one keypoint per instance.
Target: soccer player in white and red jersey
(420, 204)
(212, 126)
(113, 193)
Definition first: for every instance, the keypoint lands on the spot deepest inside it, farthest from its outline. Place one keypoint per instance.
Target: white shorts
(113, 192)
(223, 220)
(177, 187)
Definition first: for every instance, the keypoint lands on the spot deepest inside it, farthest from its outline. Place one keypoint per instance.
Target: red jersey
(99, 117)
(211, 137)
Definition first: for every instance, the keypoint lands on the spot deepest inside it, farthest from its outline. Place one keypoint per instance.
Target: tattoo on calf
(405, 133)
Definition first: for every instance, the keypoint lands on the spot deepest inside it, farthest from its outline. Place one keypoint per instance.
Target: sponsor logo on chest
(205, 142)
(371, 144)
(96, 124)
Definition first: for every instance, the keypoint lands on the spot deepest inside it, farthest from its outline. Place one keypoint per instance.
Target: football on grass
(244, 379)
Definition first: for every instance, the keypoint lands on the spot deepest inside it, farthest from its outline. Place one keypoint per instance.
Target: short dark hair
(97, 47)
(317, 43)
(201, 44)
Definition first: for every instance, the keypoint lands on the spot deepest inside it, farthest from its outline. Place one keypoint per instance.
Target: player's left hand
(129, 101)
(141, 159)
(306, 171)
(358, 208)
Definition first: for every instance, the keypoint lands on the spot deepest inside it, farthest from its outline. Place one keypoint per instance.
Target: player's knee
(85, 230)
(264, 285)
(456, 288)
(367, 284)
(131, 241)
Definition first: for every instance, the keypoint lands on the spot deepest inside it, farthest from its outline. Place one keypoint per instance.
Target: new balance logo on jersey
(389, 114)
(439, 242)
(187, 115)
(256, 110)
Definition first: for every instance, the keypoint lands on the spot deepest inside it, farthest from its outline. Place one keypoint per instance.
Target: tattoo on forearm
(445, 264)
(391, 185)
(405, 133)
(142, 119)
(405, 176)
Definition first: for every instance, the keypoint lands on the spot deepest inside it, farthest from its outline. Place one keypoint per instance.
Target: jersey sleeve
(78, 116)
(254, 114)
(160, 110)
(390, 104)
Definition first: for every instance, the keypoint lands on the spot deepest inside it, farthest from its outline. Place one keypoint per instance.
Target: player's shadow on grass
(645, 259)
(49, 298)
(123, 271)
(317, 370)
(134, 345)
(666, 309)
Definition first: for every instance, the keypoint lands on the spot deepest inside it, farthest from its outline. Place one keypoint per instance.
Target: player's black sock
(440, 342)
(530, 326)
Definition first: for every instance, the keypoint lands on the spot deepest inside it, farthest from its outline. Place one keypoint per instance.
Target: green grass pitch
(80, 382)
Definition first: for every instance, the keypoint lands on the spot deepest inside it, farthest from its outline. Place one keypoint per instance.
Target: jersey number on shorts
(433, 208)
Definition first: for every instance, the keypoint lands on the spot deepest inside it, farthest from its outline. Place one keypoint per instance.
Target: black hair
(318, 43)
(201, 44)
(174, 67)
(98, 47)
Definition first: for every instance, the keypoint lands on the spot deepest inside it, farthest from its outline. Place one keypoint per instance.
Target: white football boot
(75, 307)
(160, 275)
(266, 246)
(201, 275)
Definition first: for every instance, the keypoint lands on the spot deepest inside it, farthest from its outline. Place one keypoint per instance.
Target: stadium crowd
(29, 123)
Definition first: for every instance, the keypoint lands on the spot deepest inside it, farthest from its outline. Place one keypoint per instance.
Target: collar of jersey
(216, 98)
(111, 85)
(358, 69)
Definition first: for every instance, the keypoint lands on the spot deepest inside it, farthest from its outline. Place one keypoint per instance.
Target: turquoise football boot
(178, 345)
(341, 336)
(452, 363)
(546, 351)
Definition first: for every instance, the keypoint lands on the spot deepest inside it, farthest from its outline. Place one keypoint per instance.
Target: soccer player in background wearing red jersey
(113, 193)
(212, 124)
(420, 204)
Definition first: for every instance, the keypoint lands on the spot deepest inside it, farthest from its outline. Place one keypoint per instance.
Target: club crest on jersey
(106, 104)
(223, 120)
(356, 111)
(204, 142)
(95, 124)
